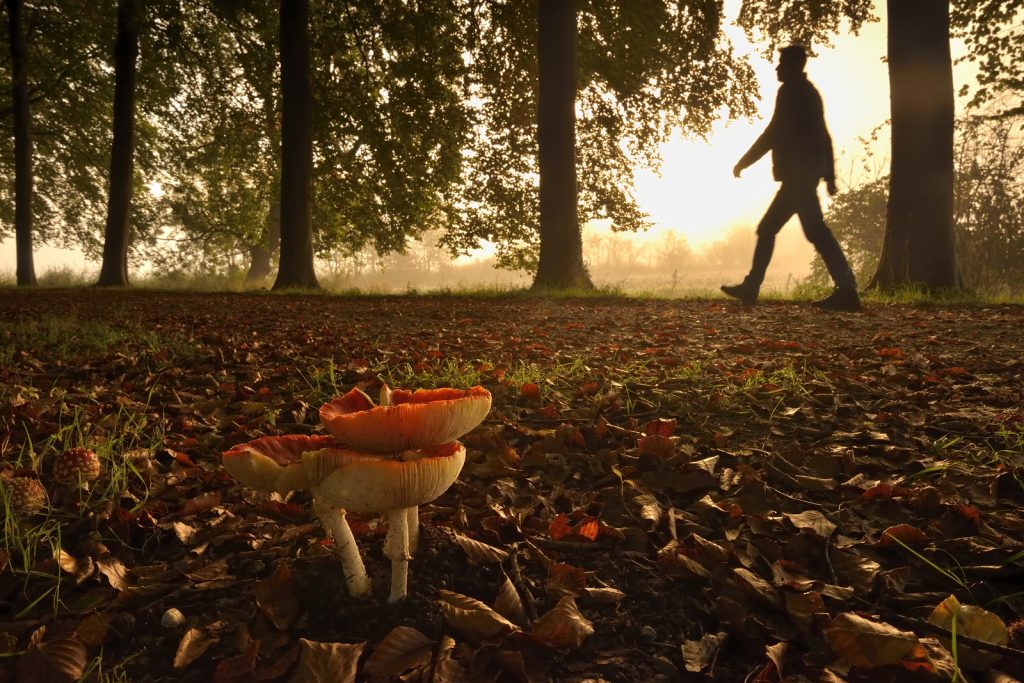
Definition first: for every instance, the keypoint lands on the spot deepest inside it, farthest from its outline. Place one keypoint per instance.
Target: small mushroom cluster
(386, 458)
(73, 469)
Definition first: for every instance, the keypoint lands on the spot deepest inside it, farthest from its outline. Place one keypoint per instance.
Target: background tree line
(282, 130)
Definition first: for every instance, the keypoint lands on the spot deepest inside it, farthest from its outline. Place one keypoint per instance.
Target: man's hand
(736, 170)
(830, 185)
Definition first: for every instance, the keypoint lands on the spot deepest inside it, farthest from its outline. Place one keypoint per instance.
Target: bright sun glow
(696, 195)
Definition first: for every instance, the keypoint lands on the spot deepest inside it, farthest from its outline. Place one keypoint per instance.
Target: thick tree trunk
(296, 265)
(561, 244)
(26, 272)
(919, 250)
(114, 271)
(260, 255)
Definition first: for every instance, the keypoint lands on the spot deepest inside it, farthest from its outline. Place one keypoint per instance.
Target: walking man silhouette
(801, 156)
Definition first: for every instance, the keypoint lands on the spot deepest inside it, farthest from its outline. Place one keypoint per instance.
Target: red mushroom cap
(411, 420)
(76, 465)
(273, 463)
(26, 495)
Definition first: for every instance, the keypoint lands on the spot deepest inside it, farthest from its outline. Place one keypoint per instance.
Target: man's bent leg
(818, 234)
(779, 211)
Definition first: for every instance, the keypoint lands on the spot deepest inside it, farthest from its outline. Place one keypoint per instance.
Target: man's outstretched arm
(764, 143)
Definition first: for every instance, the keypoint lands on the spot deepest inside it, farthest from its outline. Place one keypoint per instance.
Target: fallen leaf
(402, 650)
(563, 626)
(510, 605)
(59, 660)
(472, 618)
(973, 622)
(327, 662)
(863, 642)
(194, 642)
(276, 598)
(480, 553)
(813, 521)
(698, 654)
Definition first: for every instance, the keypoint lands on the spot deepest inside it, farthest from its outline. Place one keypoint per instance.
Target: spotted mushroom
(388, 459)
(393, 486)
(404, 419)
(408, 455)
(76, 468)
(274, 464)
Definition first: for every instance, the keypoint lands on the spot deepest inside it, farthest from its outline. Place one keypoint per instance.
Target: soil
(663, 490)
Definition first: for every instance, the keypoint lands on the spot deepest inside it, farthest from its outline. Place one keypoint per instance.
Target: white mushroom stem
(396, 547)
(414, 527)
(355, 573)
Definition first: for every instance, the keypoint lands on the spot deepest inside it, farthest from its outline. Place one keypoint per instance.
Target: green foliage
(993, 31)
(988, 214)
(644, 70)
(807, 22)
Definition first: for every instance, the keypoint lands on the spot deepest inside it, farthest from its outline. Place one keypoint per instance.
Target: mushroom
(275, 464)
(25, 495)
(404, 419)
(76, 468)
(391, 485)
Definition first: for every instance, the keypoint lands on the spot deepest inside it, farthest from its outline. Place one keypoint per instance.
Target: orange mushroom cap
(412, 419)
(370, 483)
(273, 463)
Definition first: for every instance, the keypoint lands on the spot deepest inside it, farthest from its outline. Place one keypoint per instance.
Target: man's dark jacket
(797, 136)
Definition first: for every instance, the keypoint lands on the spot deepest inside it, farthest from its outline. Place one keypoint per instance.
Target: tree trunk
(561, 244)
(261, 254)
(296, 264)
(26, 272)
(114, 271)
(918, 249)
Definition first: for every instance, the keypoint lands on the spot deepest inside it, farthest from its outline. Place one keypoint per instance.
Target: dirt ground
(662, 491)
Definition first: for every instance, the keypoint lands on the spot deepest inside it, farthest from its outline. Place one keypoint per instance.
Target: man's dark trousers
(800, 198)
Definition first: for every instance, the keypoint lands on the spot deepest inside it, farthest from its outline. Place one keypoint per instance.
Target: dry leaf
(757, 587)
(480, 553)
(565, 579)
(66, 561)
(650, 509)
(472, 618)
(184, 532)
(93, 629)
(604, 594)
(973, 622)
(327, 662)
(563, 626)
(698, 654)
(447, 669)
(115, 571)
(60, 660)
(862, 642)
(403, 649)
(275, 596)
(813, 521)
(777, 654)
(194, 642)
(902, 533)
(510, 605)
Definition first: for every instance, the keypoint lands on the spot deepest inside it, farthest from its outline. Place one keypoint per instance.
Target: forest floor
(662, 491)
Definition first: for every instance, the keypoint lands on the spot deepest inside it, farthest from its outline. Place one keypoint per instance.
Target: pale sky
(695, 193)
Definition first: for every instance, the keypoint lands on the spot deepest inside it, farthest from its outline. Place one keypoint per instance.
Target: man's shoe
(745, 292)
(843, 300)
